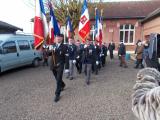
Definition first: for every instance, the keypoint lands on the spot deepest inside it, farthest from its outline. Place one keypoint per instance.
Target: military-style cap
(59, 35)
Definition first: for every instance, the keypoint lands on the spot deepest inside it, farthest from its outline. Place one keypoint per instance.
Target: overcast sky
(19, 12)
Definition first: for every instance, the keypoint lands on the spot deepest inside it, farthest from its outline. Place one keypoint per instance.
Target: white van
(17, 50)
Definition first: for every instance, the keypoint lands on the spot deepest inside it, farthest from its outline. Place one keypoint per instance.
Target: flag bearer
(58, 54)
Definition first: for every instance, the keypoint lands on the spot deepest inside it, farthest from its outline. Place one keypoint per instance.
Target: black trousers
(79, 66)
(103, 58)
(58, 74)
(45, 61)
(111, 54)
(95, 68)
(139, 62)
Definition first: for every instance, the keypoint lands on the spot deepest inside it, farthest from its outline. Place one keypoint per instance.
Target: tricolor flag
(51, 34)
(69, 27)
(40, 24)
(100, 31)
(98, 34)
(54, 27)
(84, 24)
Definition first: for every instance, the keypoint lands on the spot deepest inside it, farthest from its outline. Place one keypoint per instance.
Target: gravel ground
(27, 94)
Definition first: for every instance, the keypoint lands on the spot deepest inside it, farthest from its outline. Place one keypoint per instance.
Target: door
(10, 58)
(25, 52)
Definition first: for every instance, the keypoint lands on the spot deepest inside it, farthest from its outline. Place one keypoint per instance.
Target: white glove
(77, 57)
(74, 61)
(50, 47)
(159, 60)
(85, 46)
(119, 55)
(66, 71)
(97, 62)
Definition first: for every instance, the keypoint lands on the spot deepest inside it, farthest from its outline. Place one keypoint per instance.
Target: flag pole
(95, 22)
(101, 22)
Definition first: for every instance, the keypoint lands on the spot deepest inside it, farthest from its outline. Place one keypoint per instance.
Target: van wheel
(35, 63)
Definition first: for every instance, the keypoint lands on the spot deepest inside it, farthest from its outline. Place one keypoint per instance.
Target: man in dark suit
(72, 49)
(111, 48)
(96, 59)
(79, 56)
(88, 57)
(59, 53)
(103, 54)
(122, 54)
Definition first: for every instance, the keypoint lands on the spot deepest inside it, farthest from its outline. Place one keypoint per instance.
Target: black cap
(59, 35)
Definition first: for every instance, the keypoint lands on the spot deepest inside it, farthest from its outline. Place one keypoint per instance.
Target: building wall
(152, 26)
(111, 31)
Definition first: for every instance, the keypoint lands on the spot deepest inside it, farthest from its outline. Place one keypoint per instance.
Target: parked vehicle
(17, 50)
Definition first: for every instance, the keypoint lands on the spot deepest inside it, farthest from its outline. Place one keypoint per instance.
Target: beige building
(151, 24)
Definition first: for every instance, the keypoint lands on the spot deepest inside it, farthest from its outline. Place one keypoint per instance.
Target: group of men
(87, 58)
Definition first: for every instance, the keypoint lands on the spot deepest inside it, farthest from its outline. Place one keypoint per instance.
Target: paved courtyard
(27, 94)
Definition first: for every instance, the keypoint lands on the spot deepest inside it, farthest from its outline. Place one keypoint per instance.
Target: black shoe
(57, 98)
(62, 88)
(135, 67)
(125, 66)
(71, 78)
(88, 82)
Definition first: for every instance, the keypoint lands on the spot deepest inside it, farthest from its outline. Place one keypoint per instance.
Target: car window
(1, 50)
(9, 47)
(32, 44)
(23, 45)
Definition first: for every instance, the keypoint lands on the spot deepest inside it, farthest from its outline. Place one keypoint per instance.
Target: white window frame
(129, 30)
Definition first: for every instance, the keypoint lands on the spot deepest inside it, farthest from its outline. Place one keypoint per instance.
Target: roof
(128, 9)
(8, 28)
(151, 16)
(123, 10)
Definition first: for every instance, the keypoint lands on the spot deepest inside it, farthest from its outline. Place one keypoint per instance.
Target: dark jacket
(121, 49)
(104, 50)
(88, 55)
(79, 53)
(111, 47)
(59, 57)
(72, 49)
(97, 52)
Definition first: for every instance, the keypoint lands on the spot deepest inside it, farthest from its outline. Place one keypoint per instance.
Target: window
(32, 44)
(9, 47)
(127, 33)
(24, 45)
(0, 42)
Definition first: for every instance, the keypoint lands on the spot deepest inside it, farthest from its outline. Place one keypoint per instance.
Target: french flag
(40, 25)
(100, 31)
(69, 28)
(98, 35)
(54, 27)
(84, 24)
